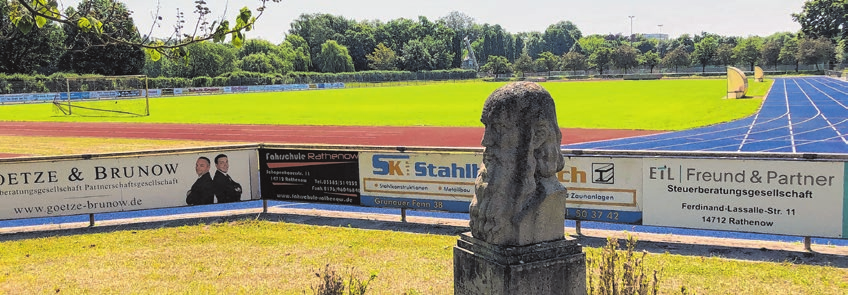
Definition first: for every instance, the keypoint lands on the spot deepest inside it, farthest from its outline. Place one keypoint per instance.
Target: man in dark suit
(226, 190)
(201, 192)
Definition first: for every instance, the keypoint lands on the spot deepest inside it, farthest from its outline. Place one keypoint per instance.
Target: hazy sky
(723, 17)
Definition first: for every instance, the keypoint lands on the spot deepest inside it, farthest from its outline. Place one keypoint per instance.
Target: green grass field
(643, 105)
(267, 257)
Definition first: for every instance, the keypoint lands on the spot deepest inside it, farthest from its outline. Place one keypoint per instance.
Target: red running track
(352, 135)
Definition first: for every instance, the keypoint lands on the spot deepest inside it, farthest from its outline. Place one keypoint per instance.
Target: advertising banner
(130, 93)
(310, 175)
(205, 90)
(12, 98)
(44, 96)
(103, 94)
(603, 189)
(155, 92)
(71, 187)
(760, 196)
(434, 181)
(75, 95)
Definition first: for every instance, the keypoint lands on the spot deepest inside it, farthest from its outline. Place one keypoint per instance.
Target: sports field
(635, 105)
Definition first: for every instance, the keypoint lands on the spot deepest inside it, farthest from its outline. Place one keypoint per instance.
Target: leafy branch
(29, 15)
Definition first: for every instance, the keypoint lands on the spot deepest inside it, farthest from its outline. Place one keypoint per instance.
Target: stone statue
(518, 200)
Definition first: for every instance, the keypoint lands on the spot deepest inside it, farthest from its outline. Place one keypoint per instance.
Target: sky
(674, 17)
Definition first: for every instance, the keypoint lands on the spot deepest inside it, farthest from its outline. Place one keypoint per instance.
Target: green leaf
(220, 31)
(238, 39)
(25, 25)
(40, 21)
(98, 26)
(84, 24)
(154, 54)
(244, 17)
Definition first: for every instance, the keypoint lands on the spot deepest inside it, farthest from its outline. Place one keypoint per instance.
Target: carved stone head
(518, 200)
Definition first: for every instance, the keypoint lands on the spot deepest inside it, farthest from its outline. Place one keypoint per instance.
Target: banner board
(310, 176)
(603, 189)
(13, 98)
(71, 187)
(761, 196)
(427, 181)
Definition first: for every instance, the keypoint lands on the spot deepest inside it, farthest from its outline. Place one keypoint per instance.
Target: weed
(333, 283)
(615, 273)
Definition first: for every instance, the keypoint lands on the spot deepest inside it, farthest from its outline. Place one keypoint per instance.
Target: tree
(560, 37)
(676, 58)
(301, 58)
(590, 43)
(705, 49)
(207, 59)
(815, 51)
(724, 55)
(523, 64)
(534, 44)
(547, 62)
(651, 59)
(601, 58)
(86, 57)
(264, 63)
(789, 52)
(319, 28)
(625, 57)
(439, 51)
(34, 15)
(770, 52)
(415, 57)
(823, 19)
(38, 51)
(334, 58)
(574, 61)
(383, 58)
(748, 50)
(461, 24)
(497, 65)
(253, 46)
(360, 41)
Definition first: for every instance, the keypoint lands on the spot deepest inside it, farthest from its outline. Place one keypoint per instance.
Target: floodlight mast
(471, 56)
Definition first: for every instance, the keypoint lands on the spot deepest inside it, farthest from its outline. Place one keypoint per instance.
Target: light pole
(631, 29)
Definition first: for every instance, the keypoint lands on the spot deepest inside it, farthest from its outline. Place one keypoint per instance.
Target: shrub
(332, 283)
(615, 273)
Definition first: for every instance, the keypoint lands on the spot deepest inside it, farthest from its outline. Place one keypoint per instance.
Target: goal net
(104, 96)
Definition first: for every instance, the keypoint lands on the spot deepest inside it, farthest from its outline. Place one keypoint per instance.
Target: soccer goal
(104, 96)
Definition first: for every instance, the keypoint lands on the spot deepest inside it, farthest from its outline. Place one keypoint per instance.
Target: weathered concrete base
(555, 267)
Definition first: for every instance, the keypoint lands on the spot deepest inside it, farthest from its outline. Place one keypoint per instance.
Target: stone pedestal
(555, 267)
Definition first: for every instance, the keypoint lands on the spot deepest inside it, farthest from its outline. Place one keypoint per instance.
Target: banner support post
(264, 205)
(808, 244)
(91, 220)
(577, 227)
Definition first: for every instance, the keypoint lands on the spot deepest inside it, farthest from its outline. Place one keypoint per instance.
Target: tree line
(334, 44)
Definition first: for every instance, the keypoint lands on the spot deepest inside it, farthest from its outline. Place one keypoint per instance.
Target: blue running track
(799, 115)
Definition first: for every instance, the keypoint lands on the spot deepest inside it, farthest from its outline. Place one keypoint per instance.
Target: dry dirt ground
(750, 250)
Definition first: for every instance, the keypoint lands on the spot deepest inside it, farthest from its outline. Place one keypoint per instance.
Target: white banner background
(688, 193)
(70, 187)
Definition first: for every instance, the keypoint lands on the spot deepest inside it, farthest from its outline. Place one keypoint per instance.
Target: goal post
(104, 96)
(737, 83)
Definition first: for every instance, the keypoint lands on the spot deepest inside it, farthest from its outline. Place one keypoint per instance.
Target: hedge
(20, 83)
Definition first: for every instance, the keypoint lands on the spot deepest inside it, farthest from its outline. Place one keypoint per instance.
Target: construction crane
(470, 61)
